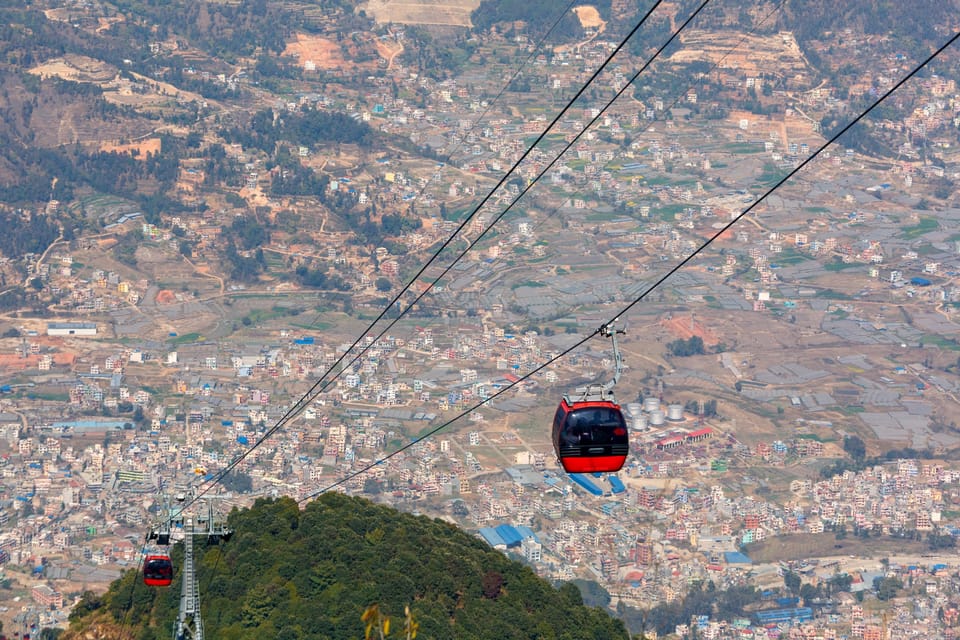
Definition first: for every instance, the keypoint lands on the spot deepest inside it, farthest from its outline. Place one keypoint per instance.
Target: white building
(531, 549)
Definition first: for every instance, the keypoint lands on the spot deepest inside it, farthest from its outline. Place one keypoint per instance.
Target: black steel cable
(681, 95)
(476, 123)
(496, 98)
(216, 565)
(556, 159)
(133, 586)
(316, 388)
(656, 284)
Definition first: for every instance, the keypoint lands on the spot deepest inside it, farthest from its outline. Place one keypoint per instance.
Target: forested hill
(291, 574)
(915, 21)
(539, 17)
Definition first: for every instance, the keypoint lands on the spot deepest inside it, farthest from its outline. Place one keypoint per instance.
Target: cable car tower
(189, 625)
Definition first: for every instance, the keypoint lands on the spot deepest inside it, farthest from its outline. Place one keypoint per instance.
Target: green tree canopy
(311, 574)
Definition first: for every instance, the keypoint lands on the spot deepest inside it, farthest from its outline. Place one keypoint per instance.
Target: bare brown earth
(685, 328)
(808, 545)
(323, 52)
(139, 149)
(748, 53)
(76, 68)
(165, 296)
(16, 362)
(589, 17)
(453, 13)
(388, 50)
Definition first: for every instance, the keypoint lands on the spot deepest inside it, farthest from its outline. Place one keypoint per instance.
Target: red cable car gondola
(589, 431)
(157, 571)
(590, 437)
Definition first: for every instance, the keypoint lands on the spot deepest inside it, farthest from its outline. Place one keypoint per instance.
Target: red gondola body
(590, 436)
(157, 571)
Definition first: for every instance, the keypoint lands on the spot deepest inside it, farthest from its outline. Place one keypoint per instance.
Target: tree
(340, 554)
(383, 284)
(809, 593)
(683, 348)
(791, 579)
(593, 594)
(491, 584)
(375, 621)
(939, 541)
(887, 587)
(237, 482)
(89, 602)
(840, 582)
(855, 448)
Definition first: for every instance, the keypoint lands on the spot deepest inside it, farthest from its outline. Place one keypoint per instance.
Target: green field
(526, 283)
(840, 266)
(669, 211)
(830, 294)
(49, 397)
(319, 325)
(940, 341)
(925, 225)
(603, 217)
(791, 257)
(743, 147)
(813, 436)
(186, 338)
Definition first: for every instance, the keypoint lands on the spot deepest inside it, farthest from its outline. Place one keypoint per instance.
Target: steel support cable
(133, 586)
(476, 123)
(316, 389)
(503, 89)
(652, 287)
(680, 96)
(213, 573)
(536, 179)
(550, 165)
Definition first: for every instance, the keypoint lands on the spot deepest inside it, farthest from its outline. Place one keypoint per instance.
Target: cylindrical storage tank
(634, 409)
(637, 422)
(656, 418)
(675, 412)
(651, 404)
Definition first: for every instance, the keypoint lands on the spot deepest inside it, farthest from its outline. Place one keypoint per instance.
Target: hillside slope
(310, 574)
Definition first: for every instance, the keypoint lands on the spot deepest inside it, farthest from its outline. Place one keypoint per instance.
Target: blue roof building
(735, 557)
(585, 482)
(776, 616)
(616, 484)
(506, 536)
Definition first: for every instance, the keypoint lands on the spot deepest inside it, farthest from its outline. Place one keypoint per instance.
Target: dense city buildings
(791, 393)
